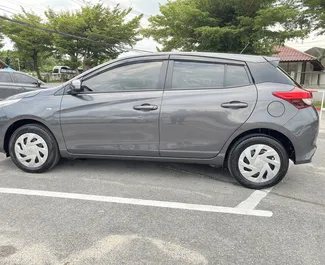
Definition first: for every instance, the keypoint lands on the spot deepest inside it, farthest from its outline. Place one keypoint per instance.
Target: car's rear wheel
(258, 161)
(33, 148)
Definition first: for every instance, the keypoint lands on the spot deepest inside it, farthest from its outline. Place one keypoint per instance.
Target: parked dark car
(238, 111)
(14, 82)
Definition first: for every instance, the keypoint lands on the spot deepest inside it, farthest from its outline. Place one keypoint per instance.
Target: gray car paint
(107, 124)
(44, 107)
(202, 126)
(14, 87)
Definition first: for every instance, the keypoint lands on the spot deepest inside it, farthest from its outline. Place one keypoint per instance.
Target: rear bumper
(310, 155)
(304, 127)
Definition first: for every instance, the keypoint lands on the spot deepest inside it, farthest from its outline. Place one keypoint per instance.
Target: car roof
(7, 71)
(229, 56)
(14, 71)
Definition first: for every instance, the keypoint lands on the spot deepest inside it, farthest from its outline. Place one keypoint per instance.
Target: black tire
(53, 149)
(241, 145)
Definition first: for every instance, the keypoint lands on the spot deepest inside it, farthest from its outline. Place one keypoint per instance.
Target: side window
(25, 79)
(236, 75)
(133, 77)
(5, 78)
(197, 75)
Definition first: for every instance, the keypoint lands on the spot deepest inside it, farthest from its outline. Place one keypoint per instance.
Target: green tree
(1, 41)
(254, 26)
(29, 42)
(99, 24)
(315, 10)
(13, 59)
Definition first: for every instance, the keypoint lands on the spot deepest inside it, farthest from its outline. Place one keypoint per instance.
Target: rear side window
(24, 79)
(5, 78)
(289, 77)
(195, 75)
(266, 72)
(236, 75)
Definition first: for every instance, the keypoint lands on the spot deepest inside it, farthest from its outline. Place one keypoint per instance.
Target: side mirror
(76, 87)
(37, 83)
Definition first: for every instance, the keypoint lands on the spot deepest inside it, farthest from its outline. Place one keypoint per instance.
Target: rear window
(266, 72)
(236, 75)
(289, 77)
(5, 77)
(25, 79)
(197, 75)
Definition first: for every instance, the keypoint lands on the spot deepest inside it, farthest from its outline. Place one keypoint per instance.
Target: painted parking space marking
(254, 199)
(140, 202)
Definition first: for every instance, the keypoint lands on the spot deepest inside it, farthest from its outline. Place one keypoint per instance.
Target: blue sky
(147, 7)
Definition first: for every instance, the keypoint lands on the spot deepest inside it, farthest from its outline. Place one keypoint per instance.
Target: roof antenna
(244, 48)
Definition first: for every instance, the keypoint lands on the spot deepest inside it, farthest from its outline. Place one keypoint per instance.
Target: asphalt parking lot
(124, 212)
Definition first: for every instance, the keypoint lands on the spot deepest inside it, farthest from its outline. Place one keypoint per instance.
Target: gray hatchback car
(238, 111)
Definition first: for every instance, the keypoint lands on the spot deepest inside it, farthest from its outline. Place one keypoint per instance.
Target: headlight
(9, 102)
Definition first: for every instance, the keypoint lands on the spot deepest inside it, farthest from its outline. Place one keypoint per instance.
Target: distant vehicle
(63, 70)
(13, 82)
(233, 110)
(66, 70)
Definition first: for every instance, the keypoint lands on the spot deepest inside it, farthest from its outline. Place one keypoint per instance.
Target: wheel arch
(279, 136)
(17, 124)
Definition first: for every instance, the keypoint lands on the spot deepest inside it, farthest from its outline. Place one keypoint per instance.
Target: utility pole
(18, 64)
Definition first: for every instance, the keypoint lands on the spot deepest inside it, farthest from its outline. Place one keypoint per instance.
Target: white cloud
(312, 41)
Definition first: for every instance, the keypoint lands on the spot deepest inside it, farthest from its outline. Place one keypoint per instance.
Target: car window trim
(121, 61)
(161, 81)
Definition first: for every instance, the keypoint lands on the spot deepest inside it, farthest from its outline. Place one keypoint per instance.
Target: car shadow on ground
(142, 167)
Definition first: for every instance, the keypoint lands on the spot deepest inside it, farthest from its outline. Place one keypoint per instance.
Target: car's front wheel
(258, 161)
(33, 148)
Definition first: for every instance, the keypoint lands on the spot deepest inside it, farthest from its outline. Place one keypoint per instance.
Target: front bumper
(3, 129)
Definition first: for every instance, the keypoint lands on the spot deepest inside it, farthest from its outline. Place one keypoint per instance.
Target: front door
(204, 103)
(118, 112)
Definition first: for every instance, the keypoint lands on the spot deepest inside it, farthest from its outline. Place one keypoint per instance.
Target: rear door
(7, 86)
(205, 101)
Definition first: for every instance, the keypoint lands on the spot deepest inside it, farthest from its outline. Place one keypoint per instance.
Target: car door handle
(145, 107)
(234, 105)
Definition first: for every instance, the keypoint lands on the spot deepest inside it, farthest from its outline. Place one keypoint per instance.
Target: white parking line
(152, 203)
(253, 200)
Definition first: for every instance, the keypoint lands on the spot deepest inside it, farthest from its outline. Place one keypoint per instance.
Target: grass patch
(318, 103)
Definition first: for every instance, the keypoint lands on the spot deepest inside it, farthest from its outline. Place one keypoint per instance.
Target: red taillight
(298, 97)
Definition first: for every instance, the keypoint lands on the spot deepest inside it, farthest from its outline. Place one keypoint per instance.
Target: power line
(13, 9)
(7, 11)
(77, 2)
(71, 35)
(22, 5)
(133, 11)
